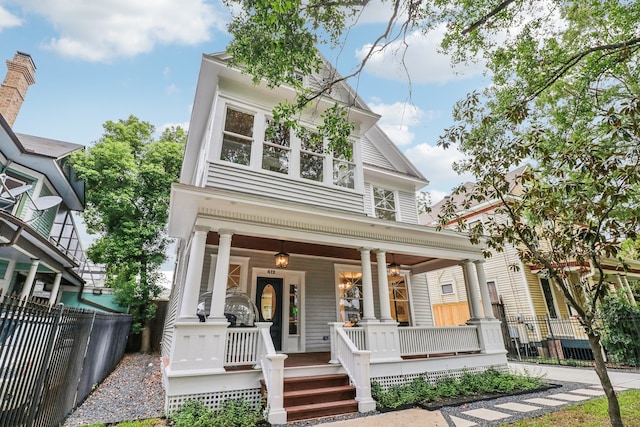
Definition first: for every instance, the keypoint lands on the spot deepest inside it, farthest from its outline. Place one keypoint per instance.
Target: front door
(269, 302)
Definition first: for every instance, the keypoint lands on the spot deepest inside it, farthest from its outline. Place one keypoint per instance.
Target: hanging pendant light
(282, 258)
(394, 268)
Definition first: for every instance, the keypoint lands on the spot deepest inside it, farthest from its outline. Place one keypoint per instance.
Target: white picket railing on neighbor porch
(438, 340)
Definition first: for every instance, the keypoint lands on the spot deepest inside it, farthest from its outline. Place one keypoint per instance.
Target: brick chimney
(16, 83)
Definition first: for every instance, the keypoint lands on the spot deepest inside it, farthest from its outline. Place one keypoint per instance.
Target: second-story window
(384, 203)
(311, 156)
(277, 147)
(238, 137)
(343, 171)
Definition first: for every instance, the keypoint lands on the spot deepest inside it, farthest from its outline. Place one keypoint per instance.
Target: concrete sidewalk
(420, 417)
(620, 379)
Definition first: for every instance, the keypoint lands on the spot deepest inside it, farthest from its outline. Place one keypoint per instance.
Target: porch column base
(198, 346)
(489, 335)
(366, 405)
(383, 341)
(277, 416)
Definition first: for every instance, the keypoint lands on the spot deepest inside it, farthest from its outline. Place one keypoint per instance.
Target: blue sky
(104, 60)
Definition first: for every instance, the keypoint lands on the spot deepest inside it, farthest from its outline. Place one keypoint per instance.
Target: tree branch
(488, 16)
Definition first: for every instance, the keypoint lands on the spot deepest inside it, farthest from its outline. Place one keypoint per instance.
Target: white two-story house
(328, 249)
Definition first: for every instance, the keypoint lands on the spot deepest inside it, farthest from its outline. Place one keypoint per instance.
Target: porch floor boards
(294, 360)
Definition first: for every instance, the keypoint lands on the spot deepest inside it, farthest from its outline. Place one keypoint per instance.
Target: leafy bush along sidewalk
(450, 390)
(234, 413)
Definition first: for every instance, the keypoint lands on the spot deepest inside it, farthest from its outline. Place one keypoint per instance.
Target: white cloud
(397, 118)
(8, 20)
(436, 195)
(435, 163)
(417, 59)
(101, 30)
(172, 89)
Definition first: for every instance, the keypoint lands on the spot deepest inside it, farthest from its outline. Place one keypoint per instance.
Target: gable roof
(431, 218)
(43, 155)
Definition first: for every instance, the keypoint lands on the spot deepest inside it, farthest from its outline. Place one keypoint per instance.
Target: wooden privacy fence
(51, 357)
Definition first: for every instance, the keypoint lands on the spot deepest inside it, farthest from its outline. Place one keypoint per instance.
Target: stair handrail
(355, 362)
(272, 366)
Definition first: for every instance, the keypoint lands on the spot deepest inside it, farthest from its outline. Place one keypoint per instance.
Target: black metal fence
(563, 341)
(51, 357)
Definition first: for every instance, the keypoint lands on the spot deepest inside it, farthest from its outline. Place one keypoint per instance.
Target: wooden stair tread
(296, 393)
(324, 405)
(315, 378)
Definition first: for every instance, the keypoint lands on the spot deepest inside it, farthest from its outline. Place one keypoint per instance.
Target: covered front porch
(338, 296)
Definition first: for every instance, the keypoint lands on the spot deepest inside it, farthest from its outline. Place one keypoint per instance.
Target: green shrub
(234, 413)
(469, 384)
(621, 326)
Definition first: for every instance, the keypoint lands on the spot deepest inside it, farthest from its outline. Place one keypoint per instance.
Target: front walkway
(619, 378)
(577, 385)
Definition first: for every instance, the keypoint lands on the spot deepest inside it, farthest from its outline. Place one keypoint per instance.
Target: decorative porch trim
(327, 229)
(214, 400)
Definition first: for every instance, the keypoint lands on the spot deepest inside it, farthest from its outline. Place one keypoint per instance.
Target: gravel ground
(133, 391)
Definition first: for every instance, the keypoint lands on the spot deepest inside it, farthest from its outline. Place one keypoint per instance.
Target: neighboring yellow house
(522, 292)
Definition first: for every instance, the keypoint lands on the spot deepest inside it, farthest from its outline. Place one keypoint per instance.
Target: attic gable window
(238, 137)
(276, 150)
(384, 202)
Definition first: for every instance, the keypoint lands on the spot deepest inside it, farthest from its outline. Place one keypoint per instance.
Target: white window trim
(260, 116)
(395, 200)
(244, 271)
(337, 268)
(453, 288)
(407, 281)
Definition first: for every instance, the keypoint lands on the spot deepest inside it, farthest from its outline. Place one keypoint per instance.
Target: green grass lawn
(589, 414)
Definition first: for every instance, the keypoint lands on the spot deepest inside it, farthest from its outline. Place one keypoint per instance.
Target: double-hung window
(311, 156)
(350, 296)
(384, 203)
(237, 137)
(343, 171)
(276, 149)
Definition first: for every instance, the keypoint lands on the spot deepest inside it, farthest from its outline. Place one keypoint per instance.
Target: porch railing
(357, 337)
(241, 346)
(438, 340)
(272, 365)
(355, 362)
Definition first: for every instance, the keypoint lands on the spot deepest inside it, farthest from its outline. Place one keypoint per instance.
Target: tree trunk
(603, 374)
(145, 339)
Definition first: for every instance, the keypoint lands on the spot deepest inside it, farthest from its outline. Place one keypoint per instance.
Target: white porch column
(383, 287)
(367, 286)
(56, 287)
(191, 288)
(221, 277)
(484, 290)
(471, 282)
(28, 283)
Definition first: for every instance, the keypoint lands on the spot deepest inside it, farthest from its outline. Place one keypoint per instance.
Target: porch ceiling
(312, 249)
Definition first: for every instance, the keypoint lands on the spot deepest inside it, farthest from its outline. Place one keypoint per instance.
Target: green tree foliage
(564, 97)
(621, 329)
(128, 178)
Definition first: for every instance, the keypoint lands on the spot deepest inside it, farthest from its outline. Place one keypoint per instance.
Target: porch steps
(318, 396)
